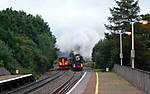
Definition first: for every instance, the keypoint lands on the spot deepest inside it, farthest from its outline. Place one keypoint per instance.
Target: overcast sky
(68, 18)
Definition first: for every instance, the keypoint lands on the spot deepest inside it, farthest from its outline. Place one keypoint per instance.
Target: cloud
(145, 7)
(73, 22)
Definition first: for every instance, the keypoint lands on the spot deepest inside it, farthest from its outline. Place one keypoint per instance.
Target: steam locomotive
(77, 62)
(73, 61)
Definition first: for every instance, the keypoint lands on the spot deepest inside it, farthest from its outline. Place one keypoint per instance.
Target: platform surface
(109, 83)
(4, 79)
(8, 77)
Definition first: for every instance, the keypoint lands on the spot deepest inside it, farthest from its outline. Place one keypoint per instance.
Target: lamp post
(121, 52)
(132, 33)
(133, 50)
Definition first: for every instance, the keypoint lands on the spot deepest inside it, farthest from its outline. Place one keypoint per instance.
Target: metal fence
(139, 78)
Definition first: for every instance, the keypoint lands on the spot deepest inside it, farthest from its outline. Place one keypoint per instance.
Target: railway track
(67, 85)
(35, 85)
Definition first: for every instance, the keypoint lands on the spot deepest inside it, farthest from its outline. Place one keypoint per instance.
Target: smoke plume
(81, 41)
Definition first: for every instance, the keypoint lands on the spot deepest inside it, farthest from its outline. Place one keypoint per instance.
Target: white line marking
(76, 84)
(15, 78)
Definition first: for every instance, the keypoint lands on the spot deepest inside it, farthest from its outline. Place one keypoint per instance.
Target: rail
(66, 86)
(139, 78)
(35, 85)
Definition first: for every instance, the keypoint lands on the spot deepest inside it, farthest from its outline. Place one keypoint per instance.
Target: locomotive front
(63, 63)
(77, 63)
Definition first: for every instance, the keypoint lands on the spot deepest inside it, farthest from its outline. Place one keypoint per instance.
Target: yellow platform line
(97, 83)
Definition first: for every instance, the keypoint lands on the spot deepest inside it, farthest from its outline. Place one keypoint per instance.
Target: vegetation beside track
(106, 51)
(26, 42)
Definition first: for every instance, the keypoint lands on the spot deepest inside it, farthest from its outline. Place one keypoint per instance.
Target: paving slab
(91, 85)
(111, 83)
(80, 89)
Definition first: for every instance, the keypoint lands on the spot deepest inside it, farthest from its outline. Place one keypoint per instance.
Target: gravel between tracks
(38, 84)
(67, 85)
(50, 87)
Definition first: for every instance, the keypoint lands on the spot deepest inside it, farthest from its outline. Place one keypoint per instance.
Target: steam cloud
(81, 41)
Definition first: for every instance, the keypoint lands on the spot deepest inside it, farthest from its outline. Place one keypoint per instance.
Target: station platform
(13, 81)
(111, 83)
(104, 83)
(8, 77)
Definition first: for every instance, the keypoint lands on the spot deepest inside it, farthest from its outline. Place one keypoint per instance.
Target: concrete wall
(139, 78)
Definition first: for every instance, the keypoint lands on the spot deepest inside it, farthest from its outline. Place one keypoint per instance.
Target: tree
(106, 52)
(126, 10)
(29, 42)
(6, 58)
(142, 38)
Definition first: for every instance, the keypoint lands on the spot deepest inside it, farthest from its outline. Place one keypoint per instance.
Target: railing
(139, 78)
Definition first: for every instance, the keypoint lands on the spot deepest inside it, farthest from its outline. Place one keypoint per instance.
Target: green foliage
(1, 63)
(26, 42)
(6, 57)
(106, 52)
(125, 10)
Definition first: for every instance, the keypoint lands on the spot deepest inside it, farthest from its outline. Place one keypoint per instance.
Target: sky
(75, 23)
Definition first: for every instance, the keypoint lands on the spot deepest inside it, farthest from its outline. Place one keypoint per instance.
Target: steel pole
(121, 55)
(132, 50)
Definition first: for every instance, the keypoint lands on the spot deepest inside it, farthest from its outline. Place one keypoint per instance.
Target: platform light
(128, 33)
(144, 22)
